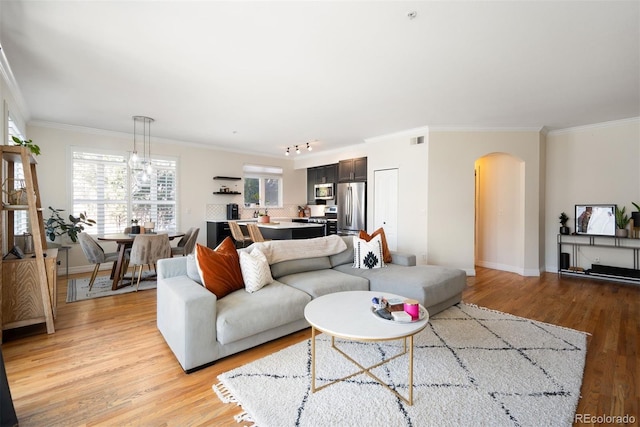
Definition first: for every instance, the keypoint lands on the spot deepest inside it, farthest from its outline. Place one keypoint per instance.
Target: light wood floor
(107, 364)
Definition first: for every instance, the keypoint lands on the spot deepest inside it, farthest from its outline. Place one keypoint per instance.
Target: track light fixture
(297, 149)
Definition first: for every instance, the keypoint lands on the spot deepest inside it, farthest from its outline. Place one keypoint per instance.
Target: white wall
(397, 152)
(591, 164)
(196, 168)
(452, 156)
(411, 160)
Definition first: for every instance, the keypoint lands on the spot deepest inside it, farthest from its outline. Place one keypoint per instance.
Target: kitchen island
(289, 230)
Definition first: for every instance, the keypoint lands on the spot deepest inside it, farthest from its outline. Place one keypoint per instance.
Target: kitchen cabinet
(216, 233)
(311, 182)
(320, 175)
(292, 230)
(352, 170)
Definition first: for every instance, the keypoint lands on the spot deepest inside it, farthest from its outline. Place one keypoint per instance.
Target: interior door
(385, 205)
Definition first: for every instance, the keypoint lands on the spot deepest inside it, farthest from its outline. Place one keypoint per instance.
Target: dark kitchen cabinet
(216, 233)
(326, 174)
(352, 170)
(311, 181)
(329, 174)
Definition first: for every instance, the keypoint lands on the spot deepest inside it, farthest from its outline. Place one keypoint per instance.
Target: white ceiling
(261, 76)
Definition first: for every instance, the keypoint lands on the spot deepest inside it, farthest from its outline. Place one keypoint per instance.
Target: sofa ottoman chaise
(201, 328)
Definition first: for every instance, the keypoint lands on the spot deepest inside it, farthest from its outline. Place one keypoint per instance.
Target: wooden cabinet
(28, 287)
(352, 170)
(22, 302)
(320, 175)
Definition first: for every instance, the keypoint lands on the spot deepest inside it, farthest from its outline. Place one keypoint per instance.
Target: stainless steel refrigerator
(352, 207)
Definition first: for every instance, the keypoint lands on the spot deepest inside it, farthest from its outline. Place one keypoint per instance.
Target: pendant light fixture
(142, 131)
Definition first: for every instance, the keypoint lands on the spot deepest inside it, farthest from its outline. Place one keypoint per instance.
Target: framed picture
(596, 219)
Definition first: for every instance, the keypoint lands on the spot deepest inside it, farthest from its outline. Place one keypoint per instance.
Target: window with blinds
(113, 194)
(20, 218)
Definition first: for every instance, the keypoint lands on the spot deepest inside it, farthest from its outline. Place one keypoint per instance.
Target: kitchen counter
(279, 225)
(286, 230)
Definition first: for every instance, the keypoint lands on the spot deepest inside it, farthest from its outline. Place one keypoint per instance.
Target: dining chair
(187, 244)
(255, 234)
(147, 249)
(238, 235)
(95, 254)
(179, 248)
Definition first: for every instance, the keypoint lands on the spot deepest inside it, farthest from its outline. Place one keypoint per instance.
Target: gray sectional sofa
(200, 328)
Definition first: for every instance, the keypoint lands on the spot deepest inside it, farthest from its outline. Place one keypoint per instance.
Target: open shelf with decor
(598, 271)
(28, 285)
(224, 190)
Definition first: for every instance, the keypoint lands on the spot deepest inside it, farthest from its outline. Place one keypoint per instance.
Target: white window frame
(103, 226)
(262, 173)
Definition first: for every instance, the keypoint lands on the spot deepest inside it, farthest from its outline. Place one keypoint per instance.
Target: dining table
(124, 242)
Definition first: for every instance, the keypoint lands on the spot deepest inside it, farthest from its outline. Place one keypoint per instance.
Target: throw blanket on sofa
(286, 250)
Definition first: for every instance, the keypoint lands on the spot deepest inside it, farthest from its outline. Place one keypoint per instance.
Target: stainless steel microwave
(324, 191)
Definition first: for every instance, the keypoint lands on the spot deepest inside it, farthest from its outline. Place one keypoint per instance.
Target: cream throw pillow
(367, 254)
(255, 270)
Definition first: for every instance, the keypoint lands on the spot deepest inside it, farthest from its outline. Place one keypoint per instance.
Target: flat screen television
(596, 220)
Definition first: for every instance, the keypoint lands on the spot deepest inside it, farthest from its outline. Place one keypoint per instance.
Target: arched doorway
(500, 212)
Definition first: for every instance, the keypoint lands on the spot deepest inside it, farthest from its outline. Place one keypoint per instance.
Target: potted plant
(622, 220)
(264, 217)
(35, 149)
(58, 226)
(563, 221)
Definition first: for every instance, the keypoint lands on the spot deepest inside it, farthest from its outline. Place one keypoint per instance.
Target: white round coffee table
(348, 315)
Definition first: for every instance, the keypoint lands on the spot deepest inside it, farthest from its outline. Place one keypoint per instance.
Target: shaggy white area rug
(472, 367)
(78, 289)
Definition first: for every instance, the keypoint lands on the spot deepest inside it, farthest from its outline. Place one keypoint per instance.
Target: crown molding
(12, 85)
(486, 129)
(594, 126)
(408, 133)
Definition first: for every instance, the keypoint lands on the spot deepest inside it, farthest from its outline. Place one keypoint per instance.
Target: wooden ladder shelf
(28, 285)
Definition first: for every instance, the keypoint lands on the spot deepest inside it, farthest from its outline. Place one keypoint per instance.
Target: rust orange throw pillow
(220, 268)
(386, 255)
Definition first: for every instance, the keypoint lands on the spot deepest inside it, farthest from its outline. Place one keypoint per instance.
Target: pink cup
(412, 307)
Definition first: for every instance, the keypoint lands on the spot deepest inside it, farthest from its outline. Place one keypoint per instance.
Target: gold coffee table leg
(313, 359)
(363, 369)
(410, 402)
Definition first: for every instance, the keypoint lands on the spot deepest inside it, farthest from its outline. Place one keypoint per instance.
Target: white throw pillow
(255, 270)
(367, 254)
